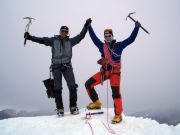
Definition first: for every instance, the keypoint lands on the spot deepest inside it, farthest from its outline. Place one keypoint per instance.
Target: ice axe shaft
(135, 21)
(25, 41)
(95, 113)
(88, 115)
(27, 26)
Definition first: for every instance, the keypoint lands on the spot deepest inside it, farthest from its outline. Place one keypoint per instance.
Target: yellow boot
(94, 105)
(116, 119)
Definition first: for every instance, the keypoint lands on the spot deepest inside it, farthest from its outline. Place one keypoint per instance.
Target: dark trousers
(65, 70)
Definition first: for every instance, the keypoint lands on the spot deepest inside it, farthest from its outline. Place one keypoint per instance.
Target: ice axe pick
(129, 15)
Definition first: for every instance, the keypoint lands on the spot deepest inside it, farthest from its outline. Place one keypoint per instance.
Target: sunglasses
(106, 36)
(64, 31)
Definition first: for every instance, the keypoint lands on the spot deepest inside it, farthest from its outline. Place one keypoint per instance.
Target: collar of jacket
(111, 44)
(58, 37)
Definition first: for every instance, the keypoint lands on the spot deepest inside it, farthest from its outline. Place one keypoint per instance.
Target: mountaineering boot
(74, 110)
(94, 105)
(60, 112)
(116, 119)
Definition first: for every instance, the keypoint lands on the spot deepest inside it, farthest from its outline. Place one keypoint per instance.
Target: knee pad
(115, 92)
(89, 82)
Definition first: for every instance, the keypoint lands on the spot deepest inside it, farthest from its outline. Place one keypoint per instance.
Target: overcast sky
(150, 66)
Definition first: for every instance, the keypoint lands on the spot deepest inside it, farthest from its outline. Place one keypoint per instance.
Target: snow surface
(74, 125)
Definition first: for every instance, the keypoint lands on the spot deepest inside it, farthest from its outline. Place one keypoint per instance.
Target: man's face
(63, 33)
(108, 37)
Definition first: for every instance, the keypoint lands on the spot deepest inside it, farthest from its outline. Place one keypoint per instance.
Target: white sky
(150, 73)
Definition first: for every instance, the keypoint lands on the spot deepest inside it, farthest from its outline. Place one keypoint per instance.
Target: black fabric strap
(50, 71)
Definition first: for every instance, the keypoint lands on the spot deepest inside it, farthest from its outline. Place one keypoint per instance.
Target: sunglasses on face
(64, 31)
(106, 36)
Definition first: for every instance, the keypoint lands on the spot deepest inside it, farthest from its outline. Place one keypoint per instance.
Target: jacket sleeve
(131, 38)
(94, 38)
(44, 40)
(75, 40)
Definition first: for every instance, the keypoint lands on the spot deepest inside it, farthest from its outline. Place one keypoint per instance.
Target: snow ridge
(74, 125)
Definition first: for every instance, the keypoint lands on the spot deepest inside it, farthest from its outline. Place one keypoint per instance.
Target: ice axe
(89, 114)
(129, 15)
(27, 26)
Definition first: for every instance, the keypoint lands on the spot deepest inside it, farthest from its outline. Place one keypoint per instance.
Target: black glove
(88, 22)
(27, 35)
(137, 24)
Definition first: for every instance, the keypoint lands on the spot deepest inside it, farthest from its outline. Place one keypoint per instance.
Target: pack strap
(50, 71)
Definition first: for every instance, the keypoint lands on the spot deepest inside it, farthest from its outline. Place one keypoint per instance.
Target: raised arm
(132, 37)
(75, 40)
(94, 38)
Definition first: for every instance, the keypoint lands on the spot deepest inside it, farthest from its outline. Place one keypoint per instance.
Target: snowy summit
(75, 125)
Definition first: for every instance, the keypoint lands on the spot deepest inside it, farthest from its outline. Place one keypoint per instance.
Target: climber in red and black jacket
(111, 68)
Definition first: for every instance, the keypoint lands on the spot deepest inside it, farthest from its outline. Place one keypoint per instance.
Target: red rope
(108, 56)
(87, 122)
(113, 64)
(110, 130)
(108, 127)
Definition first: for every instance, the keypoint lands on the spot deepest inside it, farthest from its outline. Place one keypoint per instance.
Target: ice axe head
(29, 23)
(29, 18)
(130, 14)
(27, 26)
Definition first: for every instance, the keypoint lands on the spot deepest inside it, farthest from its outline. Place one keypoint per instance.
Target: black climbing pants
(65, 70)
